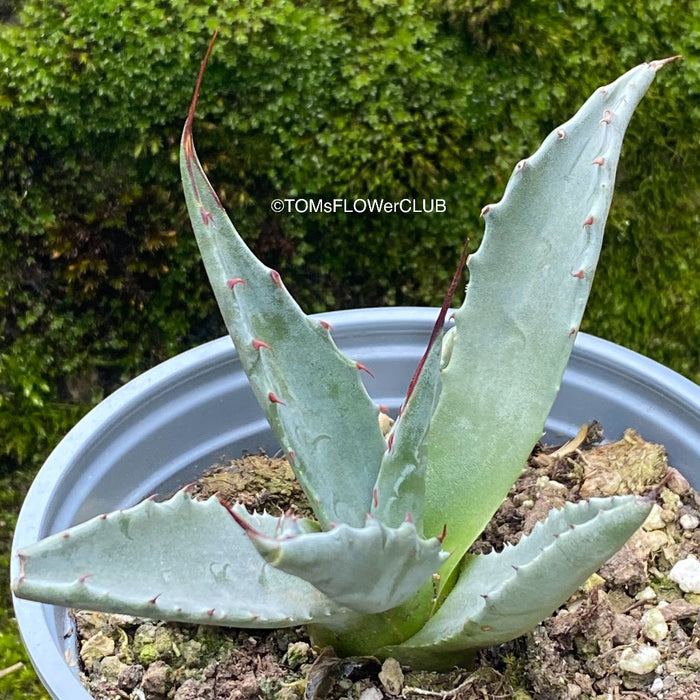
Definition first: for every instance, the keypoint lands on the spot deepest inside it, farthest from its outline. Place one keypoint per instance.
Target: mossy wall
(394, 99)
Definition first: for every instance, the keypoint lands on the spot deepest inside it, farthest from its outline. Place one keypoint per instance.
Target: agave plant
(384, 567)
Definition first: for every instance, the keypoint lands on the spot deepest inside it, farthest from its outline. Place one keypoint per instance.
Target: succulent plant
(384, 568)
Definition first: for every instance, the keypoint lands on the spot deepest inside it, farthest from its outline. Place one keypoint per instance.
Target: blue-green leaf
(182, 560)
(501, 595)
(369, 569)
(529, 283)
(311, 394)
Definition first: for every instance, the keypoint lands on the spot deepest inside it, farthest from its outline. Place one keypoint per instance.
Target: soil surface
(631, 631)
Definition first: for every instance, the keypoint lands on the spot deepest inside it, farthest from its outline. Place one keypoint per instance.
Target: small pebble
(625, 629)
(593, 581)
(130, 676)
(655, 519)
(157, 678)
(654, 625)
(686, 573)
(671, 501)
(689, 522)
(647, 593)
(542, 481)
(573, 691)
(557, 486)
(518, 499)
(654, 539)
(371, 694)
(639, 659)
(657, 686)
(111, 667)
(95, 648)
(677, 482)
(391, 677)
(679, 609)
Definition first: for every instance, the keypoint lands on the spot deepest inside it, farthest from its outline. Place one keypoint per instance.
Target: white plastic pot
(166, 426)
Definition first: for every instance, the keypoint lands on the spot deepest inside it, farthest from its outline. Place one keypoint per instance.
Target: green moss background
(393, 99)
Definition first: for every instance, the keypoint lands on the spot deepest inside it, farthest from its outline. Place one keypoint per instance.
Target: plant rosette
(382, 568)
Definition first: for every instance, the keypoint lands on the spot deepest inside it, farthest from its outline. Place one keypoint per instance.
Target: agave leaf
(529, 282)
(501, 595)
(210, 574)
(369, 569)
(400, 488)
(311, 394)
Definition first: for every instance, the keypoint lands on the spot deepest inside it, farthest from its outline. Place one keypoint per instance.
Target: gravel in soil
(631, 631)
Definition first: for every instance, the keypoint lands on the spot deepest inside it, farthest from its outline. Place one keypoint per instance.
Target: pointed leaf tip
(440, 321)
(660, 63)
(187, 133)
(188, 154)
